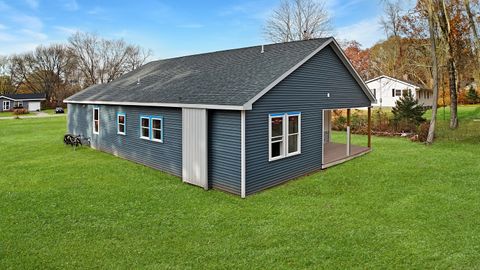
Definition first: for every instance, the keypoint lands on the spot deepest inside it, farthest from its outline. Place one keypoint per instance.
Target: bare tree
(43, 70)
(444, 22)
(433, 51)
(101, 60)
(6, 85)
(85, 49)
(473, 28)
(391, 20)
(136, 57)
(298, 20)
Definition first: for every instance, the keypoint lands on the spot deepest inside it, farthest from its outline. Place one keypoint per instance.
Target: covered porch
(335, 152)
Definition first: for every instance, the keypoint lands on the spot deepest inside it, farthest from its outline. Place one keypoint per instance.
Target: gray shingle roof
(231, 77)
(24, 96)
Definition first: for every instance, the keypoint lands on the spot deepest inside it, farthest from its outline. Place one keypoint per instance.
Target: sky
(168, 27)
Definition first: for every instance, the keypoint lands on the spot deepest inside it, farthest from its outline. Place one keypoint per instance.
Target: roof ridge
(241, 48)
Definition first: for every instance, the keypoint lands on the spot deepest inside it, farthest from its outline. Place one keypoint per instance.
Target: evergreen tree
(472, 95)
(408, 110)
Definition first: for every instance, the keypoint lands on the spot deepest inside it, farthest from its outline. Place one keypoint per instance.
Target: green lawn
(469, 124)
(405, 205)
(5, 114)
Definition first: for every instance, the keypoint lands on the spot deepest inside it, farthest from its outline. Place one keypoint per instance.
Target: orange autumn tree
(359, 58)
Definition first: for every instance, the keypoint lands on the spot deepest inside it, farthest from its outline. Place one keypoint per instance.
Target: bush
(407, 114)
(380, 121)
(472, 95)
(20, 111)
(339, 122)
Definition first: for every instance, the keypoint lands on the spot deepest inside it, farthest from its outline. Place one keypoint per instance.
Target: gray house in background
(240, 120)
(31, 102)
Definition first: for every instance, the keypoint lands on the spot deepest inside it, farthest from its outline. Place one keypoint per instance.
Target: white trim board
(157, 104)
(393, 79)
(243, 172)
(24, 99)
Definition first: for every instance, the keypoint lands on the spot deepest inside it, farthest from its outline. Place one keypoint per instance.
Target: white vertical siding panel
(195, 154)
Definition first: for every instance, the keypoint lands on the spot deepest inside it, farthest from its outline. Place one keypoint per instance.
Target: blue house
(240, 120)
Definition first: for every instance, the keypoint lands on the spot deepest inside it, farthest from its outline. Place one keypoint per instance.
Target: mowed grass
(468, 130)
(405, 205)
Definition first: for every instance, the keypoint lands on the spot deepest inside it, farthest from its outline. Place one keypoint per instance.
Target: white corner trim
(323, 137)
(286, 74)
(243, 156)
(157, 104)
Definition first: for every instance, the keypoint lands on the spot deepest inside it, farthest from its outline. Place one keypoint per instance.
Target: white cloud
(71, 5)
(366, 32)
(37, 36)
(32, 3)
(120, 34)
(66, 30)
(30, 22)
(6, 37)
(95, 11)
(251, 9)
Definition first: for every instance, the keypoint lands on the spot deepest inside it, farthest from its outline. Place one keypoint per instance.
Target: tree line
(435, 44)
(60, 70)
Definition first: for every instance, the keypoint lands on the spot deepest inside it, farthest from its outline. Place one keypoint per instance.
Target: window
(6, 105)
(157, 129)
(276, 137)
(398, 92)
(18, 104)
(285, 130)
(96, 120)
(151, 128)
(293, 134)
(121, 120)
(374, 92)
(145, 127)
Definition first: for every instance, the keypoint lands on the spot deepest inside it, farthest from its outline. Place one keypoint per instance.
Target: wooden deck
(336, 153)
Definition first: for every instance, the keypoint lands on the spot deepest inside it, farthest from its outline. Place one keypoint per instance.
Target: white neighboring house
(388, 90)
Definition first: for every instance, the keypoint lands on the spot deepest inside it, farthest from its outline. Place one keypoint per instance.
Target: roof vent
(138, 80)
(263, 49)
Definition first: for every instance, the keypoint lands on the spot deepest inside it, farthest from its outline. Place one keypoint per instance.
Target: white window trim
(270, 141)
(299, 134)
(93, 118)
(6, 102)
(124, 124)
(161, 128)
(285, 134)
(142, 127)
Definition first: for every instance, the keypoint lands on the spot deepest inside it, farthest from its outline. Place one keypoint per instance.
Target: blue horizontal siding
(224, 150)
(305, 91)
(166, 156)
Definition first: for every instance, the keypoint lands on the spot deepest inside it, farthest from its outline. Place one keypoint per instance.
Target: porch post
(348, 133)
(369, 127)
